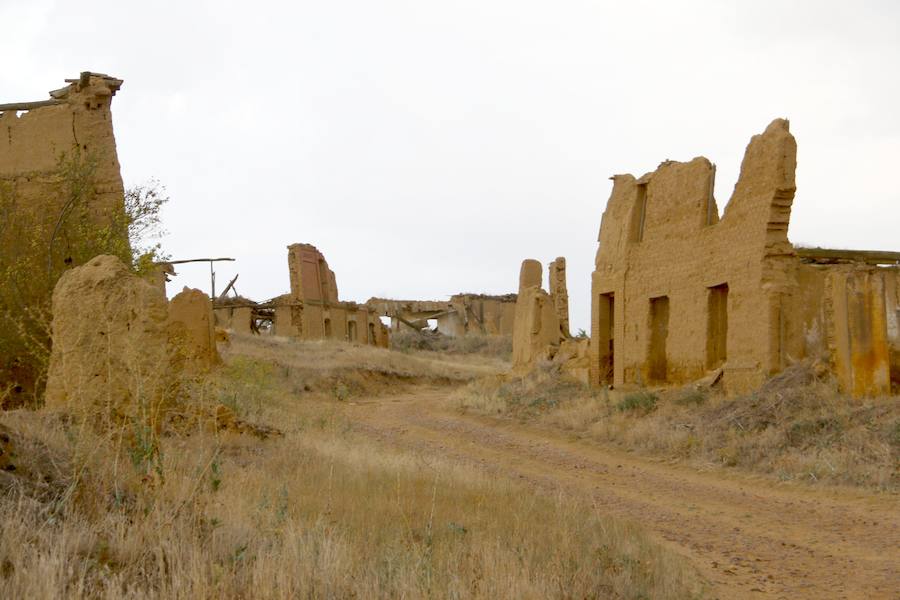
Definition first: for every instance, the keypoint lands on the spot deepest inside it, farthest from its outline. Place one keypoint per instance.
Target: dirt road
(751, 537)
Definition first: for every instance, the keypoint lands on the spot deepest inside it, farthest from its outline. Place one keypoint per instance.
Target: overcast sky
(428, 147)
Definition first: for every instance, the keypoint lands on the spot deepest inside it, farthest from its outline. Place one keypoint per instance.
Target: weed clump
(642, 402)
(499, 346)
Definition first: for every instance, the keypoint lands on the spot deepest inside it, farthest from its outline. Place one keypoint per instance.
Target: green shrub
(638, 402)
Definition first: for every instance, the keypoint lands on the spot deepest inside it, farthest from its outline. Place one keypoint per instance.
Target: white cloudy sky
(428, 147)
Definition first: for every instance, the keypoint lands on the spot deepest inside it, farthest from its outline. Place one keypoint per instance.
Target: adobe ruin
(542, 323)
(463, 314)
(678, 292)
(58, 165)
(312, 309)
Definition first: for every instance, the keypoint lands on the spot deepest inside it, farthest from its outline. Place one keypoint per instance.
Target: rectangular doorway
(657, 367)
(606, 320)
(717, 326)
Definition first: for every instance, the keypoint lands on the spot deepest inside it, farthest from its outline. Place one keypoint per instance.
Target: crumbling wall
(312, 310)
(560, 293)
(192, 342)
(536, 334)
(109, 343)
(464, 314)
(481, 314)
(61, 203)
(678, 292)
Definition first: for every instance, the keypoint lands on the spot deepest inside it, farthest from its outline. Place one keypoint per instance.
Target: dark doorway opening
(657, 368)
(717, 326)
(606, 336)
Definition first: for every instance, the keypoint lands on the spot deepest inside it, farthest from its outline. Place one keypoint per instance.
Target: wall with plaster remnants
(678, 292)
(61, 203)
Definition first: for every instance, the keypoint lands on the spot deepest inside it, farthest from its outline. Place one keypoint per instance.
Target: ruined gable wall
(682, 250)
(311, 279)
(312, 310)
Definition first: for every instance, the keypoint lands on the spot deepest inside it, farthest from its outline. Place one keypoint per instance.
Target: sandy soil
(750, 537)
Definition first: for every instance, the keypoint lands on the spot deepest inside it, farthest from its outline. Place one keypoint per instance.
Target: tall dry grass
(495, 346)
(317, 512)
(796, 428)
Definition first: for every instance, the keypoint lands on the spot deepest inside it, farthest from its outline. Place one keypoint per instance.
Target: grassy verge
(316, 512)
(796, 427)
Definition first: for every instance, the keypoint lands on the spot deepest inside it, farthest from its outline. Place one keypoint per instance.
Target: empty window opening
(639, 215)
(351, 331)
(372, 333)
(327, 324)
(717, 326)
(657, 367)
(606, 336)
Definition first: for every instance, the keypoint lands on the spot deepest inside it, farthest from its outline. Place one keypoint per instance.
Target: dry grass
(495, 346)
(319, 512)
(795, 428)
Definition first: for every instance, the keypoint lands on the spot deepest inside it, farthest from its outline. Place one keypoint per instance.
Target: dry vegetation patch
(495, 346)
(316, 512)
(797, 427)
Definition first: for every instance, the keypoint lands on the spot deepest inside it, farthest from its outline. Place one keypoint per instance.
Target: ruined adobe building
(678, 292)
(42, 145)
(542, 323)
(463, 314)
(312, 310)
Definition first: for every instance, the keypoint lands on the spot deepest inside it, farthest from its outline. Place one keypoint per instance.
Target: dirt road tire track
(750, 537)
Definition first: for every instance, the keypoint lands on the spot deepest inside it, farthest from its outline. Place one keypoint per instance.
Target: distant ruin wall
(463, 314)
(312, 311)
(61, 203)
